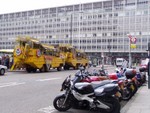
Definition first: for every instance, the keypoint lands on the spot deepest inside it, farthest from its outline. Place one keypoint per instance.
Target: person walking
(7, 61)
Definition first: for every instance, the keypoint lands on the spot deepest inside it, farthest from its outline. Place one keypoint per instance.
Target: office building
(98, 28)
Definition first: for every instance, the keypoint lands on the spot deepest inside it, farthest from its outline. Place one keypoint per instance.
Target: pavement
(140, 102)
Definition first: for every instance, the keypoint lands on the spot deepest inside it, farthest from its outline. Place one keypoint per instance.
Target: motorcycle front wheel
(60, 105)
(113, 103)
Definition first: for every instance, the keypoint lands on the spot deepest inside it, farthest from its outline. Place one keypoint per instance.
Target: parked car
(3, 69)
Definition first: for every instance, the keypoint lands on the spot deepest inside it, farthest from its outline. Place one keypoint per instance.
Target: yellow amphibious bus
(30, 54)
(73, 57)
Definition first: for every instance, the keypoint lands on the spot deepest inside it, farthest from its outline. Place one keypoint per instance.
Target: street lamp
(109, 47)
(130, 58)
(70, 41)
(80, 28)
(71, 28)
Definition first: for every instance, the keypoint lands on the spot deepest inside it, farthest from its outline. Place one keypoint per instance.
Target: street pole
(109, 55)
(79, 30)
(70, 31)
(102, 56)
(130, 59)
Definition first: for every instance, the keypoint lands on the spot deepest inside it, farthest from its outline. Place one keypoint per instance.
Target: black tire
(28, 70)
(144, 79)
(59, 68)
(34, 70)
(127, 94)
(113, 103)
(43, 69)
(58, 101)
(135, 88)
(66, 67)
(2, 72)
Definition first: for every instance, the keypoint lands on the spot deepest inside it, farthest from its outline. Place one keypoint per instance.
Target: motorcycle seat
(96, 84)
(105, 88)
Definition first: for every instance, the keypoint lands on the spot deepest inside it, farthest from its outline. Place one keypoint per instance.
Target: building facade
(98, 28)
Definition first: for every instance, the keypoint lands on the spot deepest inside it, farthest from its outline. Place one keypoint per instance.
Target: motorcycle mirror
(81, 68)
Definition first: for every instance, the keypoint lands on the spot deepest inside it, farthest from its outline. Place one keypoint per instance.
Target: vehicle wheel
(66, 67)
(59, 68)
(135, 88)
(59, 103)
(2, 72)
(28, 70)
(126, 94)
(34, 70)
(113, 103)
(42, 69)
(144, 79)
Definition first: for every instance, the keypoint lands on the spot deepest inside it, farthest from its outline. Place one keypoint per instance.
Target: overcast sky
(9, 6)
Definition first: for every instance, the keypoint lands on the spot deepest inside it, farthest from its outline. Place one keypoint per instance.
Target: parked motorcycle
(141, 76)
(127, 87)
(126, 82)
(95, 95)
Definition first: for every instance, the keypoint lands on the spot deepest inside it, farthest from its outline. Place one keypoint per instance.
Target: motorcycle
(127, 82)
(94, 96)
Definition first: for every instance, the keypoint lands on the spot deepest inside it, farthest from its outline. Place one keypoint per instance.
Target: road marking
(48, 79)
(10, 84)
(48, 109)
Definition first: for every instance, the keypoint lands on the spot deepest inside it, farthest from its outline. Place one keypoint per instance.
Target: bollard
(148, 82)
(148, 74)
(148, 65)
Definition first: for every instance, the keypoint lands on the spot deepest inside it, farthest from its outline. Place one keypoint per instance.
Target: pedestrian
(3, 60)
(7, 61)
(11, 61)
(0, 60)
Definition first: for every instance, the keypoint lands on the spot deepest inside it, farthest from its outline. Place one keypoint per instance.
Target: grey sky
(9, 6)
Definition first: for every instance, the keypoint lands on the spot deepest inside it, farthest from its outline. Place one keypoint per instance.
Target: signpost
(132, 45)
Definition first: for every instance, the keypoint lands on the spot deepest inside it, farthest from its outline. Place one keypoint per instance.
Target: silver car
(3, 69)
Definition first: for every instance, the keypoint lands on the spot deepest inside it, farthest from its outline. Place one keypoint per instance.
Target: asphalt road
(22, 92)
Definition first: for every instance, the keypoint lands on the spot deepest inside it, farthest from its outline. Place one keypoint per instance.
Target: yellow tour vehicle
(73, 57)
(30, 54)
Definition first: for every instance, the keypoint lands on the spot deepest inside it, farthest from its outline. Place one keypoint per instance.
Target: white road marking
(48, 109)
(48, 79)
(10, 84)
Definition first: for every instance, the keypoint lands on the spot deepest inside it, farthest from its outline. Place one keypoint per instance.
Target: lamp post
(80, 11)
(70, 41)
(102, 56)
(109, 47)
(130, 59)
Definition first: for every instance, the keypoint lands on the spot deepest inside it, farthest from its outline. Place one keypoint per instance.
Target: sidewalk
(140, 102)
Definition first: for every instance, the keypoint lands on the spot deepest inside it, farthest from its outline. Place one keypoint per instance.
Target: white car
(3, 69)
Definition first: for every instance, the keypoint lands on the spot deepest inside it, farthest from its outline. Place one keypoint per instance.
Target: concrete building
(98, 28)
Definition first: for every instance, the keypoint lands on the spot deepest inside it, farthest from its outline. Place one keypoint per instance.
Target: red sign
(132, 39)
